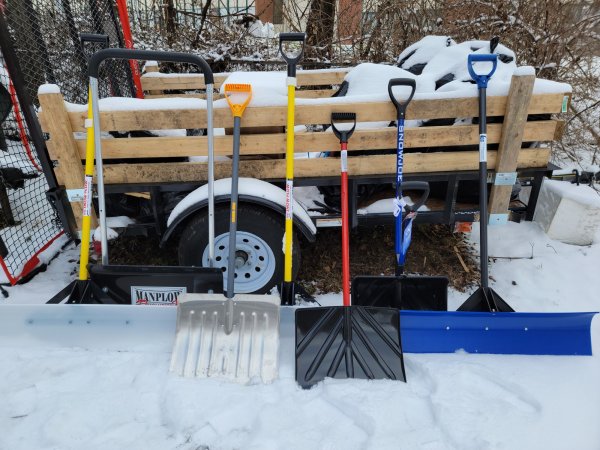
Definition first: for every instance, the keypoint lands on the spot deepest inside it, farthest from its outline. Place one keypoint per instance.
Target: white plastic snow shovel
(235, 337)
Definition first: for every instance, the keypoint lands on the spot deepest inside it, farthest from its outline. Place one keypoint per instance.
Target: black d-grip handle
(148, 55)
(291, 60)
(401, 106)
(422, 186)
(343, 135)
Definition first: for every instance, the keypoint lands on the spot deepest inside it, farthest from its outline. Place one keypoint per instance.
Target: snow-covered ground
(72, 398)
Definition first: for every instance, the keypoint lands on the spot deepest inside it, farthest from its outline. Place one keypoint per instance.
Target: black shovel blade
(485, 300)
(348, 342)
(403, 292)
(145, 285)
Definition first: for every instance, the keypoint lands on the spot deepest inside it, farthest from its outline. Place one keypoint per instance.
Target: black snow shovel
(347, 341)
(403, 291)
(484, 299)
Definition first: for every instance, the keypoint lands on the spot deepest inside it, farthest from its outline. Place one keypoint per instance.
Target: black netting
(28, 223)
(49, 45)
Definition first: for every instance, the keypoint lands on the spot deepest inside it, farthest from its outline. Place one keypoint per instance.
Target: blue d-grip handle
(481, 78)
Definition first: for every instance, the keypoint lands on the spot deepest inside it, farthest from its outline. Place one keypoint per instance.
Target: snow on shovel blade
(347, 342)
(497, 333)
(235, 339)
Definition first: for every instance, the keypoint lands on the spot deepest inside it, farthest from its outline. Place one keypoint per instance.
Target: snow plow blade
(90, 327)
(142, 285)
(235, 339)
(497, 333)
(348, 342)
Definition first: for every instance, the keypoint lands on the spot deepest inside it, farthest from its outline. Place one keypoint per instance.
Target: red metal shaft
(135, 68)
(345, 229)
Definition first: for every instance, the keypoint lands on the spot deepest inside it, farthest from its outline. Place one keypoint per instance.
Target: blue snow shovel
(484, 298)
(485, 323)
(402, 291)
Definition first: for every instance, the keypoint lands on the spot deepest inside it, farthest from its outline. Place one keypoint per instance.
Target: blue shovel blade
(498, 333)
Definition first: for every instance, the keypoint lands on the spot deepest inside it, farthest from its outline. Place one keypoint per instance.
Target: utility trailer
(155, 167)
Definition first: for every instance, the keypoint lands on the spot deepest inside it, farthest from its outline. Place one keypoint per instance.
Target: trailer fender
(251, 190)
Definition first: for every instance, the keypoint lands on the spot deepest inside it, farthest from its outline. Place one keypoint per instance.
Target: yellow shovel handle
(289, 184)
(86, 222)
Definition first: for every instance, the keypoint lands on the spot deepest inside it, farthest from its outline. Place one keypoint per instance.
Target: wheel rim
(255, 262)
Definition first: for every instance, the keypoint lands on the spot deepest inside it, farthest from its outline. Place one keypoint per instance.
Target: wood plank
(513, 128)
(196, 81)
(317, 113)
(186, 82)
(315, 93)
(271, 144)
(62, 147)
(275, 168)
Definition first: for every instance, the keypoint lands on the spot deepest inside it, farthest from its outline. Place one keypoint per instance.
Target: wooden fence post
(515, 118)
(63, 148)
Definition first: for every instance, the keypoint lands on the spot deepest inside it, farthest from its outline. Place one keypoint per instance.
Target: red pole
(135, 69)
(345, 227)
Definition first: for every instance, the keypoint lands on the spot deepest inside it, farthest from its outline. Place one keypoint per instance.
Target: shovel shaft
(289, 184)
(233, 210)
(86, 221)
(345, 228)
(483, 215)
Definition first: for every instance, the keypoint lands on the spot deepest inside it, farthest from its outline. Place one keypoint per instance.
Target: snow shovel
(288, 289)
(402, 291)
(347, 341)
(141, 285)
(234, 337)
(484, 298)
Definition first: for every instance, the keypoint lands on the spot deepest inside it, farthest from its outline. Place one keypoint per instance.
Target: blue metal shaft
(400, 254)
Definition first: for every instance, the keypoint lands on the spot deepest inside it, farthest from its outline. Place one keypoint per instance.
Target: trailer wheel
(259, 255)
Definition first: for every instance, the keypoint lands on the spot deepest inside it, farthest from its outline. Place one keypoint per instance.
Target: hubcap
(254, 261)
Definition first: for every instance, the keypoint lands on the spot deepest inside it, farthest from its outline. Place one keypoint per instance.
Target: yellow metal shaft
(86, 221)
(289, 185)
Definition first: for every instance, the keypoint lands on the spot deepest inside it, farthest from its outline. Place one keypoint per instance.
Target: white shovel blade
(235, 339)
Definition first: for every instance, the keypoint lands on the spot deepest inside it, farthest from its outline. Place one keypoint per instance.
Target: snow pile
(439, 66)
(262, 30)
(54, 398)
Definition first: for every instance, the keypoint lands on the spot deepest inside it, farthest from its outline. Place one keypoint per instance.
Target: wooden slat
(275, 168)
(315, 93)
(269, 144)
(62, 147)
(318, 113)
(513, 128)
(312, 93)
(196, 81)
(186, 82)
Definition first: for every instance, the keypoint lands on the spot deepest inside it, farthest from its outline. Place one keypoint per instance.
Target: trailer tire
(259, 242)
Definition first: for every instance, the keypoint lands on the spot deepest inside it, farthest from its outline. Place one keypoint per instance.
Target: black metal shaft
(234, 207)
(483, 215)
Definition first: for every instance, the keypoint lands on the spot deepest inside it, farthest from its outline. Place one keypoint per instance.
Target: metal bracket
(505, 178)
(498, 219)
(75, 195)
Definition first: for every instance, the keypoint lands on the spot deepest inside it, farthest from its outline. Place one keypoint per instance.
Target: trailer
(167, 191)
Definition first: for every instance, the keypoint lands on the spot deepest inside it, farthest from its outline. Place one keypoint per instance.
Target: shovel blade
(144, 285)
(348, 342)
(235, 339)
(485, 299)
(403, 292)
(497, 333)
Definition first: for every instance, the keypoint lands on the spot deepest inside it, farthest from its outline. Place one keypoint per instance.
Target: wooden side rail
(263, 152)
(307, 112)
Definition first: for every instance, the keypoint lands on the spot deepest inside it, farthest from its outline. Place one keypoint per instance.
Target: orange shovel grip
(238, 108)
